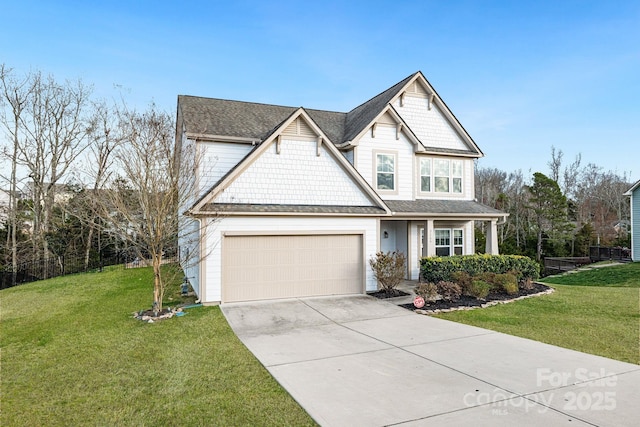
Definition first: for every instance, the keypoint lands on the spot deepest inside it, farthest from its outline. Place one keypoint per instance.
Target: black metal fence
(555, 265)
(27, 272)
(599, 253)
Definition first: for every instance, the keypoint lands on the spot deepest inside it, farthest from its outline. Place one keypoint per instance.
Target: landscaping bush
(389, 269)
(449, 291)
(428, 291)
(526, 284)
(435, 269)
(479, 289)
(464, 280)
(490, 278)
(508, 282)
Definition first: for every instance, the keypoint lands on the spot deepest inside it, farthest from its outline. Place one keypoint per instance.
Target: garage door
(287, 266)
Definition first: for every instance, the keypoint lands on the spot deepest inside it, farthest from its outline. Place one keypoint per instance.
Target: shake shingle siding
(635, 224)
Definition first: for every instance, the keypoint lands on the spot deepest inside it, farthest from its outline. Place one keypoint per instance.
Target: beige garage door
(268, 267)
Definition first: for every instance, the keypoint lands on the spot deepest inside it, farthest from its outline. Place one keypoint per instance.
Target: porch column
(429, 243)
(491, 246)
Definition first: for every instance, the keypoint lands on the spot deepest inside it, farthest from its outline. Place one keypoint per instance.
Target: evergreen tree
(549, 210)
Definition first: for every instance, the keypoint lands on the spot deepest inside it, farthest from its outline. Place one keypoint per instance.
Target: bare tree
(555, 163)
(53, 127)
(15, 96)
(141, 202)
(104, 136)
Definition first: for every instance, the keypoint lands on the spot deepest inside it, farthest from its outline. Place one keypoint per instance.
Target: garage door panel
(286, 266)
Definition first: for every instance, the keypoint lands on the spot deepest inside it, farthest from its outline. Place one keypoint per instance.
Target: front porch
(418, 238)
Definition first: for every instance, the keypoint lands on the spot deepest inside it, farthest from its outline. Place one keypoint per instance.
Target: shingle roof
(428, 206)
(273, 208)
(363, 114)
(230, 118)
(222, 117)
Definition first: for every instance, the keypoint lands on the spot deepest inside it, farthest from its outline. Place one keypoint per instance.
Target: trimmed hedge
(436, 269)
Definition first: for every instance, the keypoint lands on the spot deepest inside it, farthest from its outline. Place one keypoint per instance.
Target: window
(457, 242)
(443, 242)
(456, 176)
(441, 175)
(385, 171)
(445, 245)
(425, 174)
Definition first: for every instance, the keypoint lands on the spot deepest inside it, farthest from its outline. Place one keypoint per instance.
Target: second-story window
(441, 168)
(385, 171)
(456, 176)
(425, 175)
(441, 175)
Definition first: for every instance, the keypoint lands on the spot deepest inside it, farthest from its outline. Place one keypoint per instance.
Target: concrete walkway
(358, 361)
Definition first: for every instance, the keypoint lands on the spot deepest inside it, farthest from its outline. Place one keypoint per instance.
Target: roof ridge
(237, 101)
(262, 103)
(387, 89)
(362, 115)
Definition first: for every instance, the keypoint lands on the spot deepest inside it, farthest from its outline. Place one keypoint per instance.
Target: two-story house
(294, 202)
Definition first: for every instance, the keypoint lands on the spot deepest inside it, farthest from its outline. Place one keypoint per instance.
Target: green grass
(72, 354)
(622, 275)
(595, 311)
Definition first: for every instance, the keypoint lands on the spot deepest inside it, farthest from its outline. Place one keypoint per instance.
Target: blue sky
(520, 76)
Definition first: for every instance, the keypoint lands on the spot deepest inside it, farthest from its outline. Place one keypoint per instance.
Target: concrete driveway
(353, 361)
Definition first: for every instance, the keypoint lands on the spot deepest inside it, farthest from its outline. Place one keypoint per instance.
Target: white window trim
(395, 171)
(432, 190)
(420, 190)
(452, 245)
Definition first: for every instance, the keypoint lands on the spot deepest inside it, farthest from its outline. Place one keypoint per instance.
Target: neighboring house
(634, 194)
(294, 201)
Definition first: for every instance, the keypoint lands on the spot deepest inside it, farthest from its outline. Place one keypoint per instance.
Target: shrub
(449, 291)
(508, 283)
(428, 291)
(526, 284)
(480, 289)
(435, 269)
(463, 279)
(389, 269)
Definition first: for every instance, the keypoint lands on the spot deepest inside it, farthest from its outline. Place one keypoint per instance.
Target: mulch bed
(384, 295)
(471, 302)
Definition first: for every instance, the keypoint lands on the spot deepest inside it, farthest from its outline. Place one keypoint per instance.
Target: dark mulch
(466, 301)
(384, 295)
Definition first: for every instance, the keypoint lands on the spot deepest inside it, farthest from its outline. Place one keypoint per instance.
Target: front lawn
(73, 355)
(595, 311)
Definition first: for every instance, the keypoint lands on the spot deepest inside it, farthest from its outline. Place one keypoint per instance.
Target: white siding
(296, 176)
(213, 265)
(430, 126)
(635, 224)
(187, 173)
(385, 141)
(216, 159)
(189, 239)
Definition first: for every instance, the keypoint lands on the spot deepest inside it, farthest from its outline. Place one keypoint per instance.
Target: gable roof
(221, 119)
(206, 203)
(210, 118)
(632, 189)
(363, 115)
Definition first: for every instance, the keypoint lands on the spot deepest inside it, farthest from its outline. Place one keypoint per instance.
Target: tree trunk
(539, 246)
(158, 291)
(88, 248)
